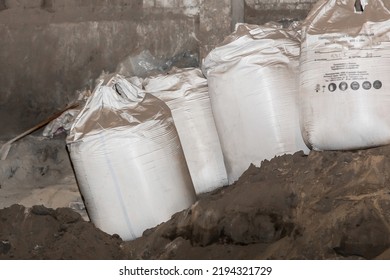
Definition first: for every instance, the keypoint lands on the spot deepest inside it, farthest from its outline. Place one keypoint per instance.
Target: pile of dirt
(44, 233)
(328, 205)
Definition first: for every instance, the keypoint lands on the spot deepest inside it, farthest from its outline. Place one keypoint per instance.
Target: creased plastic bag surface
(128, 160)
(344, 81)
(185, 92)
(253, 89)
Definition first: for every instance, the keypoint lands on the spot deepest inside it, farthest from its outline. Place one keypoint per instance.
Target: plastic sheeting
(144, 64)
(61, 124)
(253, 89)
(345, 86)
(185, 92)
(64, 122)
(128, 160)
(141, 64)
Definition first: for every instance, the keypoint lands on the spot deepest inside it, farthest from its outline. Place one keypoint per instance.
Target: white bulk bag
(185, 92)
(253, 88)
(344, 80)
(128, 160)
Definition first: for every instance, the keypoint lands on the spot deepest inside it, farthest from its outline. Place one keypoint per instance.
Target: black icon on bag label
(366, 85)
(377, 84)
(332, 87)
(343, 86)
(355, 85)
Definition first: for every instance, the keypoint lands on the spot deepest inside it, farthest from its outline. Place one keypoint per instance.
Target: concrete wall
(51, 48)
(262, 11)
(215, 23)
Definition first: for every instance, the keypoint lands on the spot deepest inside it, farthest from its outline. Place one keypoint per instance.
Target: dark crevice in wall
(47, 5)
(3, 6)
(282, 15)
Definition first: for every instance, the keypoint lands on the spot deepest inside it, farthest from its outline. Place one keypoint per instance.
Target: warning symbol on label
(366, 85)
(343, 86)
(332, 87)
(377, 84)
(355, 85)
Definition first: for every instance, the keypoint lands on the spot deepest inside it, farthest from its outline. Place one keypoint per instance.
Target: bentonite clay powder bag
(344, 80)
(128, 160)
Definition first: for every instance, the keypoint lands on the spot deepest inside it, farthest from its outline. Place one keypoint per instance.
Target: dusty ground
(328, 205)
(37, 171)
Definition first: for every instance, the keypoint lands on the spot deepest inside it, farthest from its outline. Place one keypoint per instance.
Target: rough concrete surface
(215, 24)
(263, 11)
(52, 48)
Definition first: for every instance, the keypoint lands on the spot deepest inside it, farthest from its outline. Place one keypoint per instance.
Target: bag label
(339, 63)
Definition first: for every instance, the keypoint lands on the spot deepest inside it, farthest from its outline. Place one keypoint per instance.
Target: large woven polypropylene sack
(128, 160)
(344, 81)
(185, 91)
(252, 78)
